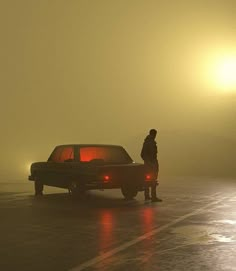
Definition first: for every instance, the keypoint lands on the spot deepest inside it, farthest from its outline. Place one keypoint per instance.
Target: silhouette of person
(149, 156)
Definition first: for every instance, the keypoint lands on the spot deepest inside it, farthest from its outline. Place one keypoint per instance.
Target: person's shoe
(147, 198)
(156, 200)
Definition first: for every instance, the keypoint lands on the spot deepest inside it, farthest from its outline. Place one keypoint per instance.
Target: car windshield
(107, 154)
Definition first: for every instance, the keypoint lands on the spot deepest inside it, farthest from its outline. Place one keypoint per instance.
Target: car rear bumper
(110, 185)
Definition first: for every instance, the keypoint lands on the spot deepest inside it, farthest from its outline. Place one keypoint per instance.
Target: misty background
(106, 71)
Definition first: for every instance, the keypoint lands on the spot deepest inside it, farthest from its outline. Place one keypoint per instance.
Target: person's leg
(154, 186)
(147, 193)
(153, 191)
(157, 168)
(154, 194)
(148, 169)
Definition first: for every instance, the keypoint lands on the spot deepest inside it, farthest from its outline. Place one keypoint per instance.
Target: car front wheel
(38, 187)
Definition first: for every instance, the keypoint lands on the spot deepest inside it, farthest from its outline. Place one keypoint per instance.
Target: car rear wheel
(129, 192)
(76, 191)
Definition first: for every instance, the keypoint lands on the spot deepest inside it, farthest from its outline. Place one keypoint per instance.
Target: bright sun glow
(223, 72)
(226, 73)
(27, 167)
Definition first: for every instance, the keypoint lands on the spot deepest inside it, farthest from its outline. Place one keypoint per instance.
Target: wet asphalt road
(194, 228)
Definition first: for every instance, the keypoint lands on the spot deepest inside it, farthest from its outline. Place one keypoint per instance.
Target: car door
(58, 166)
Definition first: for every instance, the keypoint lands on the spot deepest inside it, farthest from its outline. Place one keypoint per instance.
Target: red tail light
(148, 177)
(106, 178)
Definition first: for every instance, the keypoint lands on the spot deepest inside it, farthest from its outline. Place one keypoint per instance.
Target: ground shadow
(89, 201)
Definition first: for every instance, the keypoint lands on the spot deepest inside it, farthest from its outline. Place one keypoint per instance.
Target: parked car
(80, 167)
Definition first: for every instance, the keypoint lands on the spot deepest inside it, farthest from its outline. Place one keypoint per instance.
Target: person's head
(153, 133)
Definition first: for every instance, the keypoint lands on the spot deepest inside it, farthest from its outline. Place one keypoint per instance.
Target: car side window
(63, 154)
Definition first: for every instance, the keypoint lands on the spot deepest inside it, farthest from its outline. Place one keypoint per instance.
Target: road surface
(194, 228)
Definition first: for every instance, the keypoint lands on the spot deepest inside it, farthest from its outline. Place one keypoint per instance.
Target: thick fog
(107, 71)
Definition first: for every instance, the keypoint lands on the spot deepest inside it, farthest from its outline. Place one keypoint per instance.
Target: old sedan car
(82, 167)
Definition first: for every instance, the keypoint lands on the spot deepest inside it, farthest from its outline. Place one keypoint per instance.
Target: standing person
(149, 156)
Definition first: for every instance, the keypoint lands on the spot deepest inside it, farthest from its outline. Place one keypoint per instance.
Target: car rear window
(116, 155)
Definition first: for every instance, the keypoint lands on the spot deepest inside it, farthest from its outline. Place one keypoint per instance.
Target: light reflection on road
(148, 248)
(147, 219)
(106, 230)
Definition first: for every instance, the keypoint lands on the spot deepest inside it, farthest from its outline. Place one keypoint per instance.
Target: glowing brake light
(106, 178)
(148, 177)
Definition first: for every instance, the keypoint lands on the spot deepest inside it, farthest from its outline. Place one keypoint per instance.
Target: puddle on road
(226, 221)
(233, 200)
(202, 235)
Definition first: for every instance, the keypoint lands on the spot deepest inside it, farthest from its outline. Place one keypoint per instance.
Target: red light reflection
(147, 220)
(106, 230)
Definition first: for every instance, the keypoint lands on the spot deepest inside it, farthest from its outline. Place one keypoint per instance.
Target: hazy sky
(107, 71)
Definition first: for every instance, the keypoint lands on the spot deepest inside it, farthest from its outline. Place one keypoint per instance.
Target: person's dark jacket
(149, 149)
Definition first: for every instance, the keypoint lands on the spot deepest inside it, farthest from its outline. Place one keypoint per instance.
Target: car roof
(89, 145)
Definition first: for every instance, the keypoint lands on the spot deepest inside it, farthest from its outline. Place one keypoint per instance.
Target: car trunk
(121, 174)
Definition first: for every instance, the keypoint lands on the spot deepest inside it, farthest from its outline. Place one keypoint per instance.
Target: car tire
(38, 187)
(129, 192)
(76, 191)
